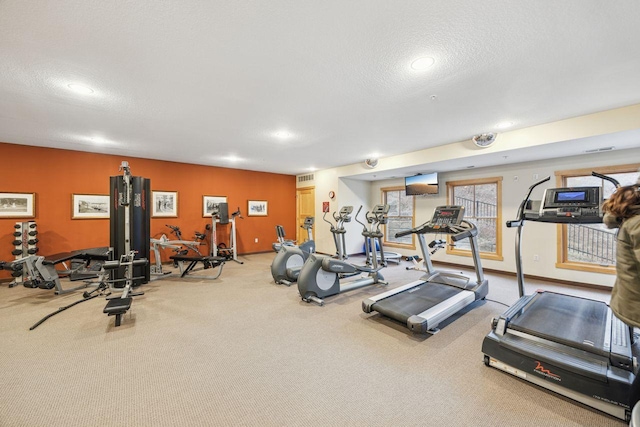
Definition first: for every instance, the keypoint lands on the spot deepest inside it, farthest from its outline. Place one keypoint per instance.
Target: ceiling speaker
(484, 140)
(371, 163)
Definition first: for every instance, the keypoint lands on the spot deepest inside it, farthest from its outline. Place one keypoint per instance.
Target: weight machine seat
(91, 253)
(117, 307)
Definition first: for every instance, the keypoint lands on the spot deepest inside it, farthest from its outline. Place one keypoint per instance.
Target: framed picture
(164, 204)
(17, 205)
(257, 208)
(210, 204)
(90, 206)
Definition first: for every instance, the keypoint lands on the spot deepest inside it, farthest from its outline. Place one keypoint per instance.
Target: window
(482, 201)
(401, 208)
(591, 247)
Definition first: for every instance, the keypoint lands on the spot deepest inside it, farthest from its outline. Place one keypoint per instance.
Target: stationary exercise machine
(222, 217)
(573, 346)
(320, 275)
(338, 231)
(130, 224)
(423, 304)
(288, 262)
(281, 239)
(45, 272)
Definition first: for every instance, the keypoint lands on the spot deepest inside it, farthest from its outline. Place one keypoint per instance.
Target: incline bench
(43, 274)
(207, 261)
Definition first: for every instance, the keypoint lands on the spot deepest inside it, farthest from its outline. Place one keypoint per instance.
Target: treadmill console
(447, 215)
(571, 205)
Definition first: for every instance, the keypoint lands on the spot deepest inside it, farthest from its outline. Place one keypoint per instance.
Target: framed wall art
(164, 204)
(257, 208)
(17, 205)
(90, 206)
(210, 204)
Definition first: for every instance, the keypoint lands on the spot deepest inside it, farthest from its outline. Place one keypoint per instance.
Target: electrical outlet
(536, 258)
(256, 240)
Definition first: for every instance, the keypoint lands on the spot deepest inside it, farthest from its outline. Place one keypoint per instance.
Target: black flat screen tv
(421, 184)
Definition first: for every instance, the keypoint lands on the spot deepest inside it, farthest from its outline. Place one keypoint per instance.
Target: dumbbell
(17, 242)
(16, 273)
(33, 251)
(33, 241)
(17, 226)
(33, 233)
(30, 283)
(32, 225)
(46, 285)
(17, 234)
(16, 252)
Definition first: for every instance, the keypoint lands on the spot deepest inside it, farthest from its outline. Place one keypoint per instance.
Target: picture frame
(90, 206)
(164, 204)
(17, 205)
(210, 203)
(257, 207)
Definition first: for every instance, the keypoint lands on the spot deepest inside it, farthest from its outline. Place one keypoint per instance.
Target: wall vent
(305, 178)
(598, 150)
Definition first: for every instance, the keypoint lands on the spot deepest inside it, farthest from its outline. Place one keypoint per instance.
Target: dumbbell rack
(25, 244)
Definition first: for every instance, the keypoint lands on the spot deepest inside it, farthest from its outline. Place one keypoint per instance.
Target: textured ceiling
(198, 81)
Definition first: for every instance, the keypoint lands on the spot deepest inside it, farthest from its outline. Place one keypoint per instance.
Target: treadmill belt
(569, 320)
(414, 301)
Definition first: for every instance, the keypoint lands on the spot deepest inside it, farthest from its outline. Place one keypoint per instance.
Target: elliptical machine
(288, 262)
(320, 275)
(338, 231)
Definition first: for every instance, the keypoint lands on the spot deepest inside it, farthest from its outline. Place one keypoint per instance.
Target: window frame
(385, 242)
(497, 255)
(562, 250)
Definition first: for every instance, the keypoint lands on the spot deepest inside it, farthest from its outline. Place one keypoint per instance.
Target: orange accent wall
(54, 175)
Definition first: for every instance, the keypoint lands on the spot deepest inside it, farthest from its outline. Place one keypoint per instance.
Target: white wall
(348, 192)
(538, 239)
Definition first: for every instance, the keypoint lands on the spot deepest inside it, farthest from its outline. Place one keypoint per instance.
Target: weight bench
(207, 261)
(117, 307)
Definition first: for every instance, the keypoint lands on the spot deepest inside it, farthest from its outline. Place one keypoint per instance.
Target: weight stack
(25, 243)
(139, 223)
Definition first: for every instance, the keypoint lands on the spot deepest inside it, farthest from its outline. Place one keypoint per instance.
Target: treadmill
(438, 295)
(570, 345)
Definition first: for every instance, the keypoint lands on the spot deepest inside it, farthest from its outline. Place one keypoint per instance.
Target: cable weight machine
(130, 235)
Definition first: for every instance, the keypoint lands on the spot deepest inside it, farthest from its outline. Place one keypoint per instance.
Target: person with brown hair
(622, 211)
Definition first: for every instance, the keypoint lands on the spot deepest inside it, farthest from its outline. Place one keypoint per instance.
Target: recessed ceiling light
(504, 125)
(232, 158)
(312, 169)
(84, 90)
(283, 134)
(422, 63)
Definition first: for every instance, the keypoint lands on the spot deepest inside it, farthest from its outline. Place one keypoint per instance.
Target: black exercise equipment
(573, 346)
(423, 304)
(207, 262)
(130, 224)
(130, 221)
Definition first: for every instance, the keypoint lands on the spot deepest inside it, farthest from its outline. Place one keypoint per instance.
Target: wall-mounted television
(421, 184)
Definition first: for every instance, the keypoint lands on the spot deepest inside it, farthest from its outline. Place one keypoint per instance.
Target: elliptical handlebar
(324, 218)
(360, 222)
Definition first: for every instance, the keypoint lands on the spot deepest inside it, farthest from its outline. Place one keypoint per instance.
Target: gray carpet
(241, 350)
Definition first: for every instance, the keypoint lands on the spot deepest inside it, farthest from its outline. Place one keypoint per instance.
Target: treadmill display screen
(571, 196)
